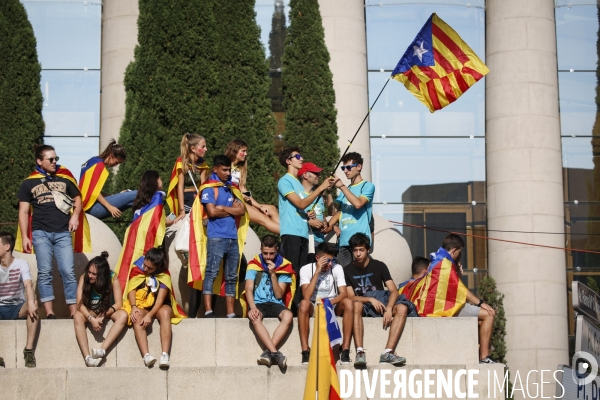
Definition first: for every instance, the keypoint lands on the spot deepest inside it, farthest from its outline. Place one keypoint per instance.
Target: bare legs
(164, 318)
(270, 222)
(119, 319)
(272, 344)
(485, 333)
(32, 325)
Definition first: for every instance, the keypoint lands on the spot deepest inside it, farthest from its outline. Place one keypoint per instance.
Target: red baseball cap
(309, 167)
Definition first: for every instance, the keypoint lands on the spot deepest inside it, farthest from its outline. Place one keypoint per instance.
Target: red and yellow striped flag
(91, 181)
(321, 376)
(172, 195)
(147, 230)
(438, 67)
(440, 292)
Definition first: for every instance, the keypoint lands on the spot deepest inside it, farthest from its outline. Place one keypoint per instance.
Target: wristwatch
(481, 301)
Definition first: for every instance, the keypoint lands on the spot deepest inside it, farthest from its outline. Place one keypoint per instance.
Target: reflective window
(71, 103)
(576, 47)
(73, 152)
(577, 99)
(68, 33)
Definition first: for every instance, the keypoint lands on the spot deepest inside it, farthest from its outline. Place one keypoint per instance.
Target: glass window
(399, 113)
(392, 28)
(71, 103)
(73, 152)
(68, 33)
(576, 37)
(428, 169)
(577, 100)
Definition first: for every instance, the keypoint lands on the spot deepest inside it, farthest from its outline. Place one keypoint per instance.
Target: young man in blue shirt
(222, 234)
(293, 221)
(354, 205)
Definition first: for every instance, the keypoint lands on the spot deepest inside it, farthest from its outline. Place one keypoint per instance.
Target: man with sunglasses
(324, 278)
(293, 221)
(354, 206)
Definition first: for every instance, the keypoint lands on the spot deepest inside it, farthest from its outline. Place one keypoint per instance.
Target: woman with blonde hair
(189, 172)
(263, 214)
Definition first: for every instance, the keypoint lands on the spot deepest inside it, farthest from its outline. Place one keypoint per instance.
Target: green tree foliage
(21, 123)
(310, 114)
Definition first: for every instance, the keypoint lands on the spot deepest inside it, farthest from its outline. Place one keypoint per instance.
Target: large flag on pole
(438, 67)
(321, 376)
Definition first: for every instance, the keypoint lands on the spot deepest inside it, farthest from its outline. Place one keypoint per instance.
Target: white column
(119, 38)
(524, 182)
(344, 24)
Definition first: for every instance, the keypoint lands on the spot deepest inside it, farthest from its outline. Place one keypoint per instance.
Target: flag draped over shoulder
(321, 376)
(440, 292)
(147, 230)
(282, 266)
(82, 238)
(199, 239)
(172, 195)
(438, 67)
(137, 277)
(91, 181)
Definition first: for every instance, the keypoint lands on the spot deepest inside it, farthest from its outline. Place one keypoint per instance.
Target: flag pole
(361, 124)
(318, 320)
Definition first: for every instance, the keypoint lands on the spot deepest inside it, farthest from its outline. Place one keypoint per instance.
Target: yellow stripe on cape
(87, 183)
(172, 195)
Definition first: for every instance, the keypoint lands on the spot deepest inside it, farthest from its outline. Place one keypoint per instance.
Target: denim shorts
(10, 312)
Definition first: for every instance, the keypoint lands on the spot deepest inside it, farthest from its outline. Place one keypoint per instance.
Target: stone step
(231, 342)
(248, 383)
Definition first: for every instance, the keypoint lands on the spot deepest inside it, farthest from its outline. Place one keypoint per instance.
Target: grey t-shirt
(11, 282)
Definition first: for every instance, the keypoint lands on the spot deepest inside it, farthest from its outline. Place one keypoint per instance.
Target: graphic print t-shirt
(371, 277)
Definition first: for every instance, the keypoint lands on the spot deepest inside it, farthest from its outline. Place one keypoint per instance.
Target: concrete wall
(524, 180)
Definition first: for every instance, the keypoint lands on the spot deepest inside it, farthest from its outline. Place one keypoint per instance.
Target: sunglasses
(331, 260)
(297, 156)
(348, 167)
(52, 159)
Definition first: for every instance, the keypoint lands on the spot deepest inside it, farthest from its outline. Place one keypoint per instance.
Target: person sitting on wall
(367, 281)
(324, 278)
(418, 268)
(269, 290)
(15, 281)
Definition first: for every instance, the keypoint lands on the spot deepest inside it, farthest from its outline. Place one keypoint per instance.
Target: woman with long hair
(149, 295)
(263, 214)
(99, 298)
(94, 174)
(188, 174)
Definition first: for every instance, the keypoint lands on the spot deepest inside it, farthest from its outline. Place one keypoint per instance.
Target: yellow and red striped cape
(440, 292)
(172, 196)
(91, 181)
(137, 277)
(147, 230)
(199, 236)
(322, 374)
(82, 240)
(282, 266)
(438, 67)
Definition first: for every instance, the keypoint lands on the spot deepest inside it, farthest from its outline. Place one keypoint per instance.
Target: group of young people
(215, 201)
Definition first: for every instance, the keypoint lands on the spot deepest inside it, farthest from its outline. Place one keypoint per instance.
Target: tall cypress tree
(21, 123)
(310, 114)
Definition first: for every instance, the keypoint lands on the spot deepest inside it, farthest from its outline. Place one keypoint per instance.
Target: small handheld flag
(438, 67)
(333, 329)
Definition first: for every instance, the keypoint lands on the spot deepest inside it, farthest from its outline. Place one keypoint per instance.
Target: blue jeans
(216, 250)
(46, 244)
(122, 201)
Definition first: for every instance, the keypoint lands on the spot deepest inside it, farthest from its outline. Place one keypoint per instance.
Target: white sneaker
(98, 353)
(149, 360)
(164, 361)
(92, 362)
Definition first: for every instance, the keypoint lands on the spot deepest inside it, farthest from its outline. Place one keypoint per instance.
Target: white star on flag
(419, 51)
(333, 318)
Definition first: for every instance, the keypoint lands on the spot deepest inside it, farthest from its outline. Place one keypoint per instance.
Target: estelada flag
(438, 67)
(91, 181)
(82, 239)
(147, 230)
(440, 292)
(199, 236)
(321, 376)
(282, 267)
(137, 278)
(172, 196)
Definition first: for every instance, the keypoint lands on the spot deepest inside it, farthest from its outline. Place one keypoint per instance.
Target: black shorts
(270, 310)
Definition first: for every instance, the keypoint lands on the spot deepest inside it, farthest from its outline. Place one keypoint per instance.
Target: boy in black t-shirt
(371, 288)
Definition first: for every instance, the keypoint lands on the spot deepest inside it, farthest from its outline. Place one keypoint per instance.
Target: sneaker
(98, 353)
(149, 360)
(51, 316)
(345, 357)
(279, 358)
(487, 360)
(392, 358)
(164, 361)
(210, 315)
(361, 360)
(92, 362)
(305, 357)
(265, 358)
(29, 356)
